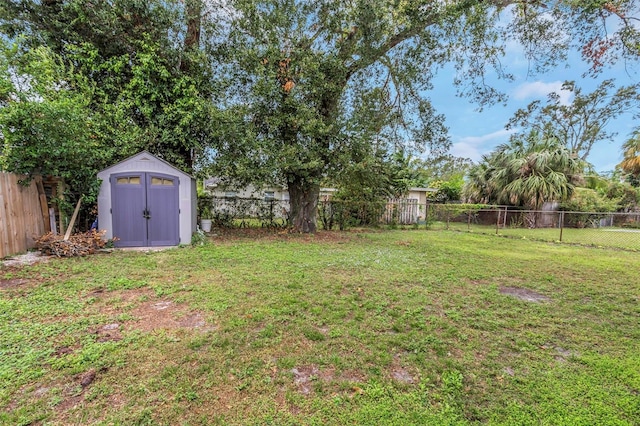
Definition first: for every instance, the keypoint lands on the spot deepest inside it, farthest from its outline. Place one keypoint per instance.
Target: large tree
(443, 167)
(47, 128)
(143, 61)
(583, 121)
(526, 172)
(314, 84)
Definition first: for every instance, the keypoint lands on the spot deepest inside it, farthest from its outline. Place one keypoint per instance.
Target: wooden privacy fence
(21, 214)
(401, 211)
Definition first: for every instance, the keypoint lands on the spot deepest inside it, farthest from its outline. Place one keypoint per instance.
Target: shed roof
(140, 154)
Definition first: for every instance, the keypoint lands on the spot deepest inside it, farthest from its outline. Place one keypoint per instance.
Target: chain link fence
(255, 212)
(340, 214)
(620, 230)
(249, 212)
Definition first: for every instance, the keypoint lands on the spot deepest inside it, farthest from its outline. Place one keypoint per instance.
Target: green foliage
(449, 190)
(198, 238)
(321, 86)
(46, 125)
(627, 195)
(609, 196)
(526, 172)
(286, 92)
(205, 206)
(581, 123)
(611, 188)
(375, 178)
(92, 86)
(445, 167)
(364, 188)
(630, 164)
(589, 200)
(324, 86)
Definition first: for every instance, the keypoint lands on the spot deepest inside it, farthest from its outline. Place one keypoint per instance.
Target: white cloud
(478, 140)
(466, 150)
(540, 89)
(475, 146)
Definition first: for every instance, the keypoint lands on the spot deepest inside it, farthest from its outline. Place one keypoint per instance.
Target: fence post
(561, 224)
(498, 221)
(271, 211)
(448, 213)
(469, 221)
(504, 221)
(426, 214)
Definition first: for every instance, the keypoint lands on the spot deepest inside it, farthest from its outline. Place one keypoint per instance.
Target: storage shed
(145, 202)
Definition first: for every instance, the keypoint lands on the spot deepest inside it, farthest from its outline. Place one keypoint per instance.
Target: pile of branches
(80, 244)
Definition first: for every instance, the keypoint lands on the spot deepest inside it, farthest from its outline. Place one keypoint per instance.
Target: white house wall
(250, 192)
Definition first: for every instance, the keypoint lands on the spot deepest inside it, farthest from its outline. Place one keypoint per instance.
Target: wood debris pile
(80, 244)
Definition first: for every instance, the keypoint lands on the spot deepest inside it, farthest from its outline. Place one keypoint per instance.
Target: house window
(230, 194)
(269, 195)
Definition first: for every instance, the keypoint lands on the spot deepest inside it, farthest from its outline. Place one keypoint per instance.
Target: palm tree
(479, 188)
(527, 173)
(631, 161)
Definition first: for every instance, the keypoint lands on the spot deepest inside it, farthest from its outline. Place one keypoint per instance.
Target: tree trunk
(193, 10)
(303, 198)
(194, 22)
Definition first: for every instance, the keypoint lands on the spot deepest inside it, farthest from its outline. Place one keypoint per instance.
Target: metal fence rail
(341, 214)
(606, 229)
(249, 212)
(620, 230)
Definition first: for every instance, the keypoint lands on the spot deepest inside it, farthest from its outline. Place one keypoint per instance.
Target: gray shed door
(145, 210)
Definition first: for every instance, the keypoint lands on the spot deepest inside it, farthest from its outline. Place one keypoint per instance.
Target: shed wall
(145, 162)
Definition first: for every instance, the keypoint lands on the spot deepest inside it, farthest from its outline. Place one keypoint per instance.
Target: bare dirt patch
(304, 377)
(109, 333)
(64, 350)
(354, 376)
(166, 314)
(524, 294)
(559, 353)
(149, 312)
(25, 259)
(12, 283)
(401, 374)
(74, 392)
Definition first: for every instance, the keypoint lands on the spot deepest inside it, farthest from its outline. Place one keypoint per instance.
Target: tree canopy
(84, 86)
(150, 87)
(291, 91)
(48, 129)
(526, 172)
(583, 121)
(320, 85)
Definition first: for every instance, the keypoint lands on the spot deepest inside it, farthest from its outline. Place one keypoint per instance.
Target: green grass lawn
(393, 327)
(623, 238)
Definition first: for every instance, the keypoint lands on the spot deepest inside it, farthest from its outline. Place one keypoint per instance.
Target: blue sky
(475, 133)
